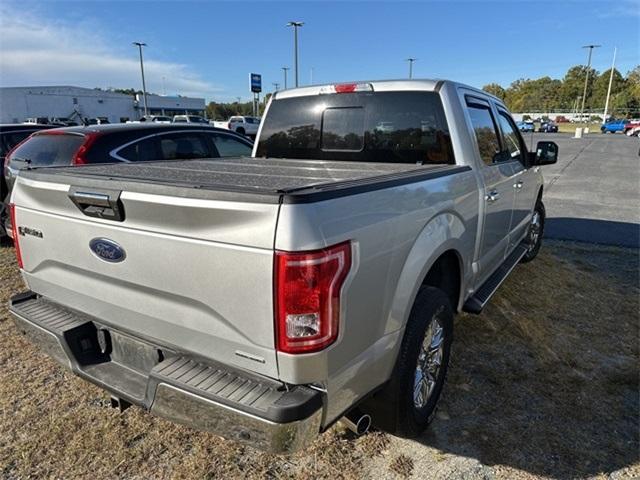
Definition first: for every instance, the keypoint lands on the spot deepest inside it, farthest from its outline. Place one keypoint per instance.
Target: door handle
(518, 184)
(492, 196)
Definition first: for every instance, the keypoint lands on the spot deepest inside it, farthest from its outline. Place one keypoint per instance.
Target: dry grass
(543, 384)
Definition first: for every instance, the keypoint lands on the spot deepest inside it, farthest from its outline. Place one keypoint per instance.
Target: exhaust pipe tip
(356, 421)
(119, 404)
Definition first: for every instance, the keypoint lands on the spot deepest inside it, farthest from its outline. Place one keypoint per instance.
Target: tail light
(79, 157)
(229, 126)
(307, 297)
(16, 235)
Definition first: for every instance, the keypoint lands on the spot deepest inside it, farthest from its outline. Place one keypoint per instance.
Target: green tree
(601, 84)
(495, 89)
(573, 86)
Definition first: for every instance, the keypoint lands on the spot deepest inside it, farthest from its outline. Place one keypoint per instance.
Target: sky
(209, 48)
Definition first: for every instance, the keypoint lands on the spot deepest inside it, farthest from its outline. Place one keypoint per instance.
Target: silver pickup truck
(265, 298)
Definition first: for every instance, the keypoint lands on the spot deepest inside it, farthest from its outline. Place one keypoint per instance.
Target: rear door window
(229, 146)
(47, 150)
(141, 151)
(183, 146)
(392, 127)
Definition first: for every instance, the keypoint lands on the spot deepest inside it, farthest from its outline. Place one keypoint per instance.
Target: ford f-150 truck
(264, 298)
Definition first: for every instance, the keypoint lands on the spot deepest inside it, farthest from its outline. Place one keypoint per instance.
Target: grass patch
(544, 383)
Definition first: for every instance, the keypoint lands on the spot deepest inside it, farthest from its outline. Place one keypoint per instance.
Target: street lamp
(144, 87)
(586, 78)
(285, 70)
(295, 26)
(411, 60)
(276, 85)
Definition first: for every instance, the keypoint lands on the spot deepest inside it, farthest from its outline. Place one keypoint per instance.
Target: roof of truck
(393, 85)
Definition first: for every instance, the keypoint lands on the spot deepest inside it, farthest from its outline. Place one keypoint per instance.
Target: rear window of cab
(390, 127)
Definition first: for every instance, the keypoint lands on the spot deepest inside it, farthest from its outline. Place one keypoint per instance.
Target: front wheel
(422, 363)
(533, 241)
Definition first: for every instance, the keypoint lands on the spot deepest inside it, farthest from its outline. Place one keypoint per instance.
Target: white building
(77, 103)
(162, 105)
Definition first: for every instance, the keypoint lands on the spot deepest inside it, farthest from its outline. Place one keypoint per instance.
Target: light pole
(411, 60)
(606, 104)
(285, 70)
(295, 26)
(276, 85)
(144, 87)
(586, 78)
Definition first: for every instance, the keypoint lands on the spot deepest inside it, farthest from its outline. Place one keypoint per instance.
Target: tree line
(547, 94)
(541, 95)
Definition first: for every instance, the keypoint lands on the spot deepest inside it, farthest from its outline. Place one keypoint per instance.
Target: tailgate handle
(98, 203)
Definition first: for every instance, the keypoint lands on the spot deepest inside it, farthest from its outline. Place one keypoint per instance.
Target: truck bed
(266, 180)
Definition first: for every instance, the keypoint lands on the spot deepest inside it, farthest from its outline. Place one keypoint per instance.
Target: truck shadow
(604, 232)
(546, 380)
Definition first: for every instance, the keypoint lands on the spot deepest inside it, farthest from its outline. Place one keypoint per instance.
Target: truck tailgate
(195, 272)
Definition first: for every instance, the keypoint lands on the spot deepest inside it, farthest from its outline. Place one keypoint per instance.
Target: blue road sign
(256, 82)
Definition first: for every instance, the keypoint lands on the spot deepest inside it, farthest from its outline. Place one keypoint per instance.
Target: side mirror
(546, 153)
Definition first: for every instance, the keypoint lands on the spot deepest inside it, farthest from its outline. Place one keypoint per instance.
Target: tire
(240, 131)
(533, 241)
(431, 309)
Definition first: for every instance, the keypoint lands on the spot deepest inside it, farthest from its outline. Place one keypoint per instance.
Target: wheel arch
(439, 247)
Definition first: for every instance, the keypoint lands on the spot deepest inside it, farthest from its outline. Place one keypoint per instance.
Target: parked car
(562, 119)
(190, 119)
(263, 297)
(244, 125)
(121, 143)
(156, 119)
(527, 126)
(37, 120)
(62, 122)
(633, 131)
(10, 136)
(614, 126)
(631, 126)
(96, 121)
(548, 127)
(584, 118)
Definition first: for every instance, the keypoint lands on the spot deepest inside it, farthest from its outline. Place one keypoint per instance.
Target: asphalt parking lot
(593, 193)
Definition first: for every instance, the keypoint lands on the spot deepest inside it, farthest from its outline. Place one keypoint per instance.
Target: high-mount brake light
(307, 297)
(347, 88)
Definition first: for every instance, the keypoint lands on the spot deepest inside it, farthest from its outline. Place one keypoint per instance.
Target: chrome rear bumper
(257, 411)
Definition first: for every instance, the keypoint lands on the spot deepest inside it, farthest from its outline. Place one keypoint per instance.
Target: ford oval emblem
(107, 250)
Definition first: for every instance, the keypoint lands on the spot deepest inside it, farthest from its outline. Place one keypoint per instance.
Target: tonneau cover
(272, 178)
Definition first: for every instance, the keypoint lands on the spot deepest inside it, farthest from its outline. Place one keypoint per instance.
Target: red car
(632, 126)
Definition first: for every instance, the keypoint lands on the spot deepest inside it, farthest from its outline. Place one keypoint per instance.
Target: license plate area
(128, 351)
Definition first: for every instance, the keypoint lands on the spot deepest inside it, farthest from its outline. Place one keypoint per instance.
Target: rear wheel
(240, 130)
(422, 362)
(533, 241)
